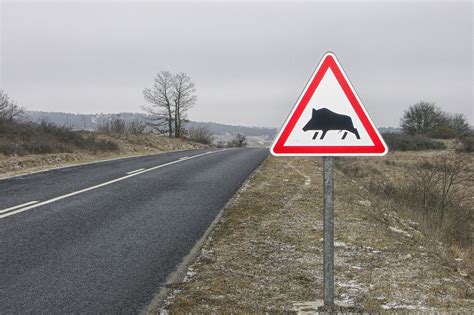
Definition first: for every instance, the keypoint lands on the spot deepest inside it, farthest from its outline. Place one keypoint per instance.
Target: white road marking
(88, 163)
(184, 158)
(131, 172)
(19, 206)
(100, 185)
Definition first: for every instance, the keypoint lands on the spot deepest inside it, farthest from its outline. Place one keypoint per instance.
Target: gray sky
(249, 60)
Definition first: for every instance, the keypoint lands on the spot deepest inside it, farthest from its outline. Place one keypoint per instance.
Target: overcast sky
(249, 60)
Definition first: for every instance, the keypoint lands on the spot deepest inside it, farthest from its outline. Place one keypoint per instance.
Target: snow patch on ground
(394, 229)
(340, 244)
(396, 306)
(189, 275)
(366, 203)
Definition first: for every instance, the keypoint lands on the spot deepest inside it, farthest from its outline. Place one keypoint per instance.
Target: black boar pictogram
(323, 119)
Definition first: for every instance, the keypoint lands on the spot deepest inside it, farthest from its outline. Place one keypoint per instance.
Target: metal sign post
(328, 230)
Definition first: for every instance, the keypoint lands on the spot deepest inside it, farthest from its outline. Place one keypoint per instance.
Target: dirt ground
(265, 254)
(128, 146)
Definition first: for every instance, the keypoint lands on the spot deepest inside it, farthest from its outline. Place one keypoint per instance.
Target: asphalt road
(93, 239)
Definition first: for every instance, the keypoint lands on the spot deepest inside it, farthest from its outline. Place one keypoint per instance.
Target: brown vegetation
(23, 138)
(38, 147)
(202, 135)
(435, 189)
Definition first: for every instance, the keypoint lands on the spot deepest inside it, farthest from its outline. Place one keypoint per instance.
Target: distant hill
(390, 130)
(90, 122)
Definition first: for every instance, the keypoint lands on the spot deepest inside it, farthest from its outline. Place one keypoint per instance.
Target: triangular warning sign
(329, 119)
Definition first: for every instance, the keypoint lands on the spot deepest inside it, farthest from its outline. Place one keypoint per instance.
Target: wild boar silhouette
(323, 119)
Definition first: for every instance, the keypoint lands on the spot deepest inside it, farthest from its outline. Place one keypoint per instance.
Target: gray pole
(328, 230)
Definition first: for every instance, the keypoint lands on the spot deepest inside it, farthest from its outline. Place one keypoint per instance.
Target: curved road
(103, 237)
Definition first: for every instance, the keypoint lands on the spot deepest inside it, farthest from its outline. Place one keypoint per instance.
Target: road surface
(103, 237)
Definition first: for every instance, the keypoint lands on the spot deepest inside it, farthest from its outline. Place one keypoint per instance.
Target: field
(265, 254)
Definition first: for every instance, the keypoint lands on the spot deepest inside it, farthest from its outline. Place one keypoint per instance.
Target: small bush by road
(467, 141)
(404, 142)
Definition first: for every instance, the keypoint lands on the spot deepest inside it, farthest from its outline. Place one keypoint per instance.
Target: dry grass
(393, 179)
(266, 253)
(128, 145)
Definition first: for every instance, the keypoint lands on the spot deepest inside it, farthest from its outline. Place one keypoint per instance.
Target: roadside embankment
(265, 254)
(124, 146)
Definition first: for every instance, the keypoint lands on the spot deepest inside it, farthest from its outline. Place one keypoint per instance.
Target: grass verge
(127, 145)
(265, 254)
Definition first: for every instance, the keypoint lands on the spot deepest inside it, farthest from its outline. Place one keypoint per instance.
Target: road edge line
(178, 275)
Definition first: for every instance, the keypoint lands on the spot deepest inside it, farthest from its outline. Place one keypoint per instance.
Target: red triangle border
(279, 147)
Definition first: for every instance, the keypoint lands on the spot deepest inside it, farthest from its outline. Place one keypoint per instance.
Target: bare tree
(84, 122)
(183, 98)
(425, 177)
(136, 127)
(4, 103)
(8, 109)
(459, 123)
(200, 134)
(117, 125)
(113, 125)
(161, 104)
(170, 97)
(455, 173)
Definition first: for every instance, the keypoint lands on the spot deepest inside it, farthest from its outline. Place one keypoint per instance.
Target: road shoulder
(181, 273)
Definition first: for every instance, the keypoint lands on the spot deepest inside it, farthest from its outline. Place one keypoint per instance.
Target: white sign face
(329, 119)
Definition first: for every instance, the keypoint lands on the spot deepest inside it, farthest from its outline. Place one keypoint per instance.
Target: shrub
(114, 125)
(435, 191)
(467, 141)
(421, 118)
(21, 138)
(136, 127)
(202, 135)
(220, 144)
(428, 119)
(458, 122)
(9, 110)
(403, 142)
(238, 141)
(438, 187)
(444, 131)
